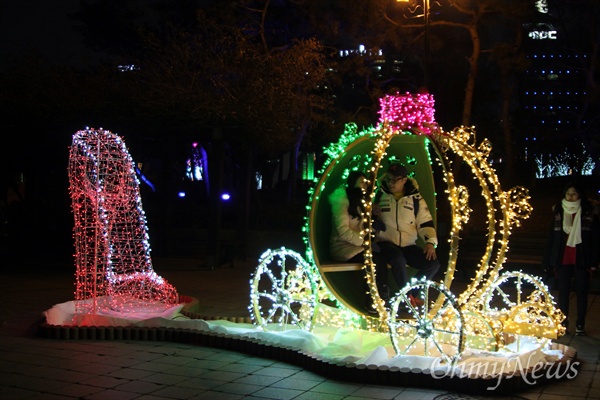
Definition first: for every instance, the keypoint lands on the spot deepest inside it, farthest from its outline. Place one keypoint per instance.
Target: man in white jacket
(402, 209)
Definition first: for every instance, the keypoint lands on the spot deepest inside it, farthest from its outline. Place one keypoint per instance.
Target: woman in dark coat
(573, 249)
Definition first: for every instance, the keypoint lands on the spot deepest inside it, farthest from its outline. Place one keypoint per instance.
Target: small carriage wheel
(431, 329)
(283, 292)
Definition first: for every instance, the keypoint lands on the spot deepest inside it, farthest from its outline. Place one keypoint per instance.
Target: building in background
(556, 110)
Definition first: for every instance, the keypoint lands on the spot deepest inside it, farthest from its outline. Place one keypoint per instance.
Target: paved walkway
(38, 368)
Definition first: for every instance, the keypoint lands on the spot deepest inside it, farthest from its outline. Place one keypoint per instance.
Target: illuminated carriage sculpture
(495, 308)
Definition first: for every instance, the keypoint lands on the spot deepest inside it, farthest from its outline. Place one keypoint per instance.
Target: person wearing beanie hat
(399, 205)
(397, 170)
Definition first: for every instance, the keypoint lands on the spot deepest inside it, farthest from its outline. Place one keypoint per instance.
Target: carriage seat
(339, 266)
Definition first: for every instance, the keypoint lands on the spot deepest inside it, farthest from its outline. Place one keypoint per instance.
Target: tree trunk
(472, 78)
(292, 188)
(507, 89)
(214, 200)
(469, 89)
(246, 192)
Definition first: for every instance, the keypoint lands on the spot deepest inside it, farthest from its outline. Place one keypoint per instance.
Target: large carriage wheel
(283, 292)
(432, 329)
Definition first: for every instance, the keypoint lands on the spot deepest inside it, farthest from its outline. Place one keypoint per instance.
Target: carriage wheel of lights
(524, 306)
(283, 292)
(111, 240)
(433, 331)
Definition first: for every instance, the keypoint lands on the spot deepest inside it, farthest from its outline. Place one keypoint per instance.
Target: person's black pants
(564, 274)
(400, 257)
(380, 271)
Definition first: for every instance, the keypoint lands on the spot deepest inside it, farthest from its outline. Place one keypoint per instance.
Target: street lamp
(425, 16)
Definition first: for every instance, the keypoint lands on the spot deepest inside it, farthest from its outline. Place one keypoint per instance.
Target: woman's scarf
(572, 224)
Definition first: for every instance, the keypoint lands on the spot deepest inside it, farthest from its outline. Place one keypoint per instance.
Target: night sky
(41, 25)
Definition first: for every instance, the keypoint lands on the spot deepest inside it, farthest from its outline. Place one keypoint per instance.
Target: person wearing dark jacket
(573, 249)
